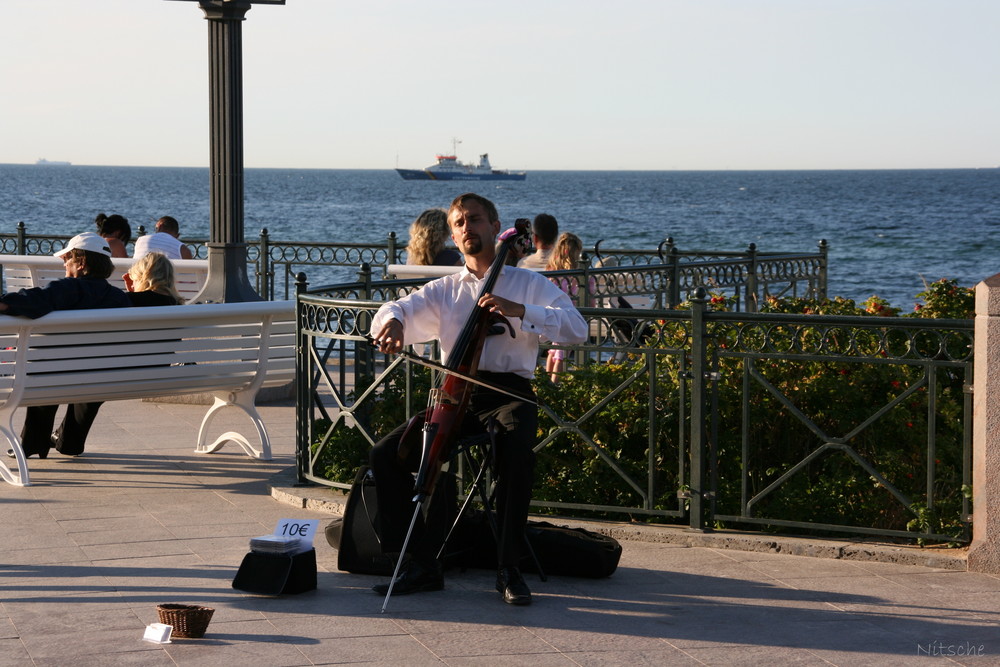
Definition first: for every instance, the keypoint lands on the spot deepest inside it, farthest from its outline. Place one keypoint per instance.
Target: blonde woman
(150, 282)
(428, 235)
(565, 256)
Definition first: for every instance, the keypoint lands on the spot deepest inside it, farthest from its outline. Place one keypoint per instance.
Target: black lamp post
(227, 252)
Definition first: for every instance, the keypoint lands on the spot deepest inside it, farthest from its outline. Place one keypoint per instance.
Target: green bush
(571, 469)
(339, 450)
(945, 299)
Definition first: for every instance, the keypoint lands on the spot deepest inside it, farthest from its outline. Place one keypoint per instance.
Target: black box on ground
(275, 574)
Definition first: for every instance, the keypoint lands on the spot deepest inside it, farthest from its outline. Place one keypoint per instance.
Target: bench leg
(244, 403)
(21, 477)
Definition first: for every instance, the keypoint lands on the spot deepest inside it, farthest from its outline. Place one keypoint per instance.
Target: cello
(447, 404)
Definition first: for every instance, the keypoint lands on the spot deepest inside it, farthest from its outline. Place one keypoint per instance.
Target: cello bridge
(441, 397)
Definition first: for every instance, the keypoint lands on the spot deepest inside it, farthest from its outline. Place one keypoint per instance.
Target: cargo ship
(448, 168)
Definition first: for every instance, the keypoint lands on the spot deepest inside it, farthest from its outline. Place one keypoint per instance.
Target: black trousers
(393, 467)
(71, 436)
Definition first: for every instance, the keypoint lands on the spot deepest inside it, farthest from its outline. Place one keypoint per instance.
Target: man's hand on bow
(390, 338)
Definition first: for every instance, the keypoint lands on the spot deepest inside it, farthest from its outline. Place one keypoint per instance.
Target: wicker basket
(187, 620)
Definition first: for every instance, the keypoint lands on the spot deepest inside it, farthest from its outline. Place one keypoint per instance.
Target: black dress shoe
(416, 577)
(29, 453)
(63, 448)
(511, 585)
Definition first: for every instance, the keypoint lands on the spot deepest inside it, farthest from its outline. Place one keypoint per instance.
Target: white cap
(86, 241)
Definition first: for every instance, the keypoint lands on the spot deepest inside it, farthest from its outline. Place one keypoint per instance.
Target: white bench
(230, 350)
(23, 271)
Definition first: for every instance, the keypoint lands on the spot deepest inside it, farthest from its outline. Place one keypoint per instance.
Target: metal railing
(659, 278)
(857, 425)
(746, 281)
(272, 266)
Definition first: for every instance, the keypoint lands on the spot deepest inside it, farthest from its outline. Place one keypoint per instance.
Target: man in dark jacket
(87, 259)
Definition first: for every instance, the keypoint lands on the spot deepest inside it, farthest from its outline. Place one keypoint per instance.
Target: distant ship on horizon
(51, 163)
(448, 168)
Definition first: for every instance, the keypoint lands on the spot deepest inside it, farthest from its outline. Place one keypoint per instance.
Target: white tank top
(158, 242)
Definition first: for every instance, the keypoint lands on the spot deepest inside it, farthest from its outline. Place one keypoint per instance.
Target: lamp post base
(227, 280)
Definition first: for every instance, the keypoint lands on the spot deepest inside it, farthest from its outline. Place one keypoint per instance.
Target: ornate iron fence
(747, 281)
(857, 425)
(273, 266)
(657, 278)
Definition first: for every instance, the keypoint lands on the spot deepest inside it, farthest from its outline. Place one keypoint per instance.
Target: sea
(889, 232)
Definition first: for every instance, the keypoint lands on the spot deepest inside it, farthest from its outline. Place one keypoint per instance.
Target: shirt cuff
(389, 311)
(534, 318)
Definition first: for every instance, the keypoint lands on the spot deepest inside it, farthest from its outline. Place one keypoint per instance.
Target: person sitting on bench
(87, 258)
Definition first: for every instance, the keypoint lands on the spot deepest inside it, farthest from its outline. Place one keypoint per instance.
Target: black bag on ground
(354, 535)
(562, 551)
(572, 552)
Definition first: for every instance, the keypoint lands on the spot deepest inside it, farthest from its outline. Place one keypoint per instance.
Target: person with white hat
(87, 259)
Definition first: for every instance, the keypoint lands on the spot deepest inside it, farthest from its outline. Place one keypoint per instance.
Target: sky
(537, 84)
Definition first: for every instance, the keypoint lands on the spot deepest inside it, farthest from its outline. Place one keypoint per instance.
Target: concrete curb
(331, 501)
(264, 396)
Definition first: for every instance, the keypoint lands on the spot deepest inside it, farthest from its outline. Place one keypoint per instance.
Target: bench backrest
(23, 271)
(125, 353)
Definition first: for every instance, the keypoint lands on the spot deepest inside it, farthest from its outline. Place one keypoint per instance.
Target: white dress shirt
(439, 310)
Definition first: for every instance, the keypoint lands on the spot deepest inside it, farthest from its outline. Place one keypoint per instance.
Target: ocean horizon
(889, 231)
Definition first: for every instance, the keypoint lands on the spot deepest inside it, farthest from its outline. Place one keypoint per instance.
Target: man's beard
(473, 245)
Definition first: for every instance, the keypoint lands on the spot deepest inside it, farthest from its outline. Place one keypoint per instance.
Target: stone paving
(90, 549)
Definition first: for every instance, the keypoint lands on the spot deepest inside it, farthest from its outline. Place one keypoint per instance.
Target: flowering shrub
(876, 305)
(945, 299)
(835, 306)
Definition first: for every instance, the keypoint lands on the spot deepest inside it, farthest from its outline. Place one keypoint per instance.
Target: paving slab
(90, 549)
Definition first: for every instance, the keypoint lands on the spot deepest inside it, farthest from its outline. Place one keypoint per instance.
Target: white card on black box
(303, 529)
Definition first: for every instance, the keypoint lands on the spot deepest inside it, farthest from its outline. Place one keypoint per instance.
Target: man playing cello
(534, 307)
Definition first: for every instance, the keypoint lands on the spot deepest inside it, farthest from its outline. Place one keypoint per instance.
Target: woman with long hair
(565, 256)
(565, 253)
(428, 235)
